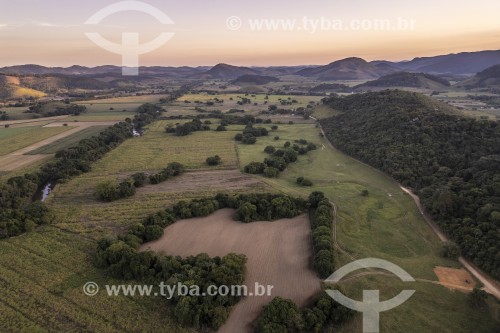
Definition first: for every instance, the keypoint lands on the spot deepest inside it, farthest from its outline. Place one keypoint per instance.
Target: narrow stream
(43, 193)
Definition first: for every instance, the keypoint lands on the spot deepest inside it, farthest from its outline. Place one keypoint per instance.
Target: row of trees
(452, 162)
(321, 217)
(53, 110)
(250, 134)
(283, 316)
(186, 129)
(279, 160)
(173, 169)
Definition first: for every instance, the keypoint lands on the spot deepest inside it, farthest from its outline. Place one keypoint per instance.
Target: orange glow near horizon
(52, 33)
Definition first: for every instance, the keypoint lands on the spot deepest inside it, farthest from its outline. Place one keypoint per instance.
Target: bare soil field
(455, 278)
(279, 254)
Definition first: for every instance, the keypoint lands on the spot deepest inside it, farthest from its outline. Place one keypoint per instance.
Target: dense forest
(451, 161)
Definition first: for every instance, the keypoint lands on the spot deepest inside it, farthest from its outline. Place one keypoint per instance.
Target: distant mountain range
(489, 78)
(467, 63)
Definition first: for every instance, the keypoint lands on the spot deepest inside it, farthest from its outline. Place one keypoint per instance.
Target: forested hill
(452, 162)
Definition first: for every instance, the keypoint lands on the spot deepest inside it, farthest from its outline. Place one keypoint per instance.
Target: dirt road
(19, 158)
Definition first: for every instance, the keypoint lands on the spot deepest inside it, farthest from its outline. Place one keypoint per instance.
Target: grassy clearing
(385, 224)
(156, 149)
(12, 139)
(258, 102)
(69, 141)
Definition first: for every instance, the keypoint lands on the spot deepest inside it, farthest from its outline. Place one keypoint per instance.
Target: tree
(246, 212)
(221, 128)
(107, 190)
(279, 316)
(450, 250)
(248, 139)
(477, 298)
(274, 127)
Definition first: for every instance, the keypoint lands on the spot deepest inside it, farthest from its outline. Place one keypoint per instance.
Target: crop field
(386, 224)
(69, 141)
(42, 274)
(12, 139)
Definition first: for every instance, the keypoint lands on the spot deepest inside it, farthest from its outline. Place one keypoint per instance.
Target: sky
(53, 32)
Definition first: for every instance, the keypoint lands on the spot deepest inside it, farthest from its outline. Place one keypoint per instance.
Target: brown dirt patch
(455, 278)
(211, 180)
(12, 162)
(279, 254)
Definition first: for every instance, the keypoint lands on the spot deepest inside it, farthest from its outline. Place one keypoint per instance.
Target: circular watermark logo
(91, 289)
(234, 23)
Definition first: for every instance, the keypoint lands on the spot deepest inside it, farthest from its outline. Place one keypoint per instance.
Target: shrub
(269, 149)
(221, 128)
(254, 168)
(213, 160)
(139, 179)
(271, 172)
(276, 138)
(304, 181)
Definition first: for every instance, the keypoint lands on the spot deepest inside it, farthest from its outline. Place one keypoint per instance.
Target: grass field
(187, 103)
(12, 139)
(385, 224)
(156, 149)
(69, 141)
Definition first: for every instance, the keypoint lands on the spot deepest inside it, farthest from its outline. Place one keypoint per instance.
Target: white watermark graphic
(314, 25)
(371, 306)
(178, 290)
(130, 49)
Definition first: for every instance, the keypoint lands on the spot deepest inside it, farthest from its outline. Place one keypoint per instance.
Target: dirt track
(490, 285)
(19, 158)
(279, 254)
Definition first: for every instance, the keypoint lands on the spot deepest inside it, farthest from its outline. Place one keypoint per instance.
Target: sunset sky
(52, 32)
